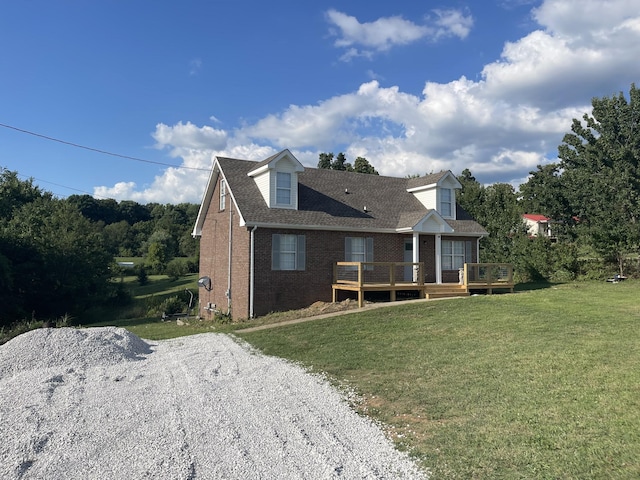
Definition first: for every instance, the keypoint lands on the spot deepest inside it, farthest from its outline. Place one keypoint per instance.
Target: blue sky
(414, 86)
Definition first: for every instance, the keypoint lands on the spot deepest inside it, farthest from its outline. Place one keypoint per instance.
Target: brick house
(272, 231)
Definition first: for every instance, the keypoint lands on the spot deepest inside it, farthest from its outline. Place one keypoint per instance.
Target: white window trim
(448, 203)
(465, 256)
(280, 188)
(299, 252)
(223, 194)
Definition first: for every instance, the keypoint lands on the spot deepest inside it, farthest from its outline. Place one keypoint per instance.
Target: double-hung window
(283, 188)
(287, 252)
(446, 205)
(455, 254)
(358, 249)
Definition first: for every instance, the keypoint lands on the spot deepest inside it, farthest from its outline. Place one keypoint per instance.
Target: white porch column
(438, 259)
(416, 255)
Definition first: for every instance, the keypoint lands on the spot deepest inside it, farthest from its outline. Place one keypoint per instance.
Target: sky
(133, 100)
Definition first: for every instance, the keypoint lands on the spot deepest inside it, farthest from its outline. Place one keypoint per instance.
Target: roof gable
(432, 222)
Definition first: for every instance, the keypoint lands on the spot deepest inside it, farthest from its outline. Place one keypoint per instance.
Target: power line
(60, 185)
(97, 150)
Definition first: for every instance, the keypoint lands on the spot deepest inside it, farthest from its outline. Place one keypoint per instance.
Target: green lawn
(538, 384)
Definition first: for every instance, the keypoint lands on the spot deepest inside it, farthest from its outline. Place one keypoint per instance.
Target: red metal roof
(535, 217)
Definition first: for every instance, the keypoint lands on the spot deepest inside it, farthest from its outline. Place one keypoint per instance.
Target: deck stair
(445, 290)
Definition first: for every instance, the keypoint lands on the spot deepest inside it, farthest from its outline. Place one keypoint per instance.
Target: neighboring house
(272, 231)
(537, 225)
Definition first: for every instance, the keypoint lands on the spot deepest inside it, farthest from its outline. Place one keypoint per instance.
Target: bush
(177, 267)
(172, 305)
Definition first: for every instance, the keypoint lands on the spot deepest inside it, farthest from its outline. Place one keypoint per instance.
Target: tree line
(57, 255)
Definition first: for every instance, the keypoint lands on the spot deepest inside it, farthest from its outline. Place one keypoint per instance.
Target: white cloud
(500, 126)
(380, 35)
(363, 39)
(453, 23)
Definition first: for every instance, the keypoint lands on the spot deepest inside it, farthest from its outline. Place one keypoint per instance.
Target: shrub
(172, 305)
(176, 268)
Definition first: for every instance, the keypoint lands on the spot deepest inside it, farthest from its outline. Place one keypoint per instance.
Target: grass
(544, 383)
(136, 318)
(540, 384)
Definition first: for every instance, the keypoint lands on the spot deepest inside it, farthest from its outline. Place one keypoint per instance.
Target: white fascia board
(258, 171)
(233, 199)
(206, 199)
(421, 188)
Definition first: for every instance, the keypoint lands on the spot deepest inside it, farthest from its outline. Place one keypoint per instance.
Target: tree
(325, 161)
(361, 165)
(59, 263)
(14, 193)
(601, 176)
(340, 163)
(471, 196)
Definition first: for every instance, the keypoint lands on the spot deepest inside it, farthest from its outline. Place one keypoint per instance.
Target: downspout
(230, 262)
(252, 271)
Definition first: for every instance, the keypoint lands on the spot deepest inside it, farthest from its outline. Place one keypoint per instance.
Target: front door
(408, 257)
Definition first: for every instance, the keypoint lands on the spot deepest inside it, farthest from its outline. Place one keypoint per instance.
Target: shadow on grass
(530, 286)
(126, 322)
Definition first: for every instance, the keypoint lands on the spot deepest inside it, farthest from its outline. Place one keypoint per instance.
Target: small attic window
(283, 188)
(223, 194)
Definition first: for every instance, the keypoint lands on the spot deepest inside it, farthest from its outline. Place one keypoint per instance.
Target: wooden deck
(393, 277)
(489, 276)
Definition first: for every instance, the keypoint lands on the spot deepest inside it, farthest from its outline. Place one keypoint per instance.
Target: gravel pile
(102, 403)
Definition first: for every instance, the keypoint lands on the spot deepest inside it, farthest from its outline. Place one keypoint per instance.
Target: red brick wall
(287, 290)
(214, 260)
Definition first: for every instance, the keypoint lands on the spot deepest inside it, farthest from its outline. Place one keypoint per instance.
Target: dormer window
(277, 179)
(446, 207)
(283, 188)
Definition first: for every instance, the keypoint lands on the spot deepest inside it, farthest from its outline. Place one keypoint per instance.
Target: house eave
(329, 228)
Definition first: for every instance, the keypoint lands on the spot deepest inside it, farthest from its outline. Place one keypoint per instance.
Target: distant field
(538, 384)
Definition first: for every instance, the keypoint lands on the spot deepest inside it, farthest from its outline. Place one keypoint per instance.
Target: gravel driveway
(101, 403)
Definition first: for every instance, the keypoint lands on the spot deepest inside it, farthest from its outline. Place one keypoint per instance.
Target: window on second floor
(283, 188)
(223, 194)
(446, 204)
(287, 252)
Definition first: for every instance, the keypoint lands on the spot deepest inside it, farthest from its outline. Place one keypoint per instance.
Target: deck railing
(488, 276)
(387, 273)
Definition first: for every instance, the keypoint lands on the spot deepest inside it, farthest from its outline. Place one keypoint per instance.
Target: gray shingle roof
(336, 199)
